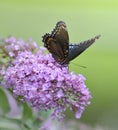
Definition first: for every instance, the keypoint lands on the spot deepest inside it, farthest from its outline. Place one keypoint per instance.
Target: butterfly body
(58, 44)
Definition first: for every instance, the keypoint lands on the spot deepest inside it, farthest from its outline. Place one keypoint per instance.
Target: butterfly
(58, 44)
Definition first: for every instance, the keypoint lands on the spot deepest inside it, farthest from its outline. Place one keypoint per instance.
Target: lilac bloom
(39, 80)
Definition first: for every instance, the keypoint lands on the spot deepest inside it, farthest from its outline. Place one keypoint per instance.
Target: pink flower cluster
(39, 80)
(13, 46)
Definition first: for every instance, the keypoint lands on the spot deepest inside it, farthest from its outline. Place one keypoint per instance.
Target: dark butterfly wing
(53, 47)
(60, 34)
(58, 43)
(76, 49)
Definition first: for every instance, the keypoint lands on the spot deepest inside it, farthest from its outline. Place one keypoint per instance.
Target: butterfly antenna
(82, 66)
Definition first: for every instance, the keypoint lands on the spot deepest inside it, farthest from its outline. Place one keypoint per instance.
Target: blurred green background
(84, 19)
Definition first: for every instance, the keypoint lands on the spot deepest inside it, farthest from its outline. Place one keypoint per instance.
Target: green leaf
(45, 114)
(4, 104)
(27, 112)
(28, 124)
(29, 119)
(7, 124)
(37, 123)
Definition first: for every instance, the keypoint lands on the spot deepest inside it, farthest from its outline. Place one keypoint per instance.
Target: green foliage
(27, 112)
(26, 120)
(29, 120)
(4, 104)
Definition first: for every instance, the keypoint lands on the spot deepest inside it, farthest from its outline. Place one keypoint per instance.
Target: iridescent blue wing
(76, 49)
